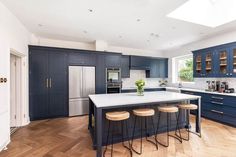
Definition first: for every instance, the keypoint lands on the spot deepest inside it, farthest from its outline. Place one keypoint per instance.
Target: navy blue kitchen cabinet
(145, 90)
(140, 63)
(48, 77)
(217, 107)
(100, 77)
(79, 57)
(217, 61)
(158, 68)
(163, 68)
(204, 63)
(113, 60)
(125, 71)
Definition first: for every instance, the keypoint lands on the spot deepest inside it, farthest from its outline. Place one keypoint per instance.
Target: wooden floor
(69, 137)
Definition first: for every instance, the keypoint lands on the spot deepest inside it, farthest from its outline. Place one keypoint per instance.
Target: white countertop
(128, 88)
(109, 100)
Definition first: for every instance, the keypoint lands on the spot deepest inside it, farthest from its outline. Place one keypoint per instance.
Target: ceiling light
(90, 10)
(40, 25)
(211, 13)
(120, 36)
(138, 20)
(85, 32)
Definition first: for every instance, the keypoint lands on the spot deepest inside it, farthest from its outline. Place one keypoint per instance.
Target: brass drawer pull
(218, 103)
(213, 97)
(219, 112)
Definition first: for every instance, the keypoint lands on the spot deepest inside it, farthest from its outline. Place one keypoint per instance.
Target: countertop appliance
(81, 84)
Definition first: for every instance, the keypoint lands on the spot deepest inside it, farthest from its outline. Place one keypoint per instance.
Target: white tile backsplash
(200, 83)
(139, 74)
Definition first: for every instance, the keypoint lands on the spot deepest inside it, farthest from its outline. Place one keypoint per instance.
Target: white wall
(99, 45)
(13, 35)
(187, 49)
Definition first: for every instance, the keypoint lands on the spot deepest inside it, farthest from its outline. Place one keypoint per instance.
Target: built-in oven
(113, 80)
(113, 75)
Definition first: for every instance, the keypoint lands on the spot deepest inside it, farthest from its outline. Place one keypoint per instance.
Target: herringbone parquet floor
(69, 137)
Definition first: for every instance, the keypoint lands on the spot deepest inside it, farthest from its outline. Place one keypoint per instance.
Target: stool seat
(117, 116)
(168, 109)
(188, 106)
(144, 112)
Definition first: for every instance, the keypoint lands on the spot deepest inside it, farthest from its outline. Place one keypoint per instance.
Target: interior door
(13, 109)
(39, 84)
(58, 80)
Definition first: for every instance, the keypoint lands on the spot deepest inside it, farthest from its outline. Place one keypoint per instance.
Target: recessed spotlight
(173, 27)
(148, 41)
(90, 10)
(120, 36)
(201, 33)
(40, 25)
(85, 32)
(138, 20)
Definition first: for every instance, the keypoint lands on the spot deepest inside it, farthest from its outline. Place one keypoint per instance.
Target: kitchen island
(101, 103)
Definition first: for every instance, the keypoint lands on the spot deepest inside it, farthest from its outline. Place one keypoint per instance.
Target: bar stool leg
(146, 130)
(127, 147)
(141, 141)
(107, 139)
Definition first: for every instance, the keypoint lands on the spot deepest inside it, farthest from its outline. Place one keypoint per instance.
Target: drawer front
(212, 114)
(229, 120)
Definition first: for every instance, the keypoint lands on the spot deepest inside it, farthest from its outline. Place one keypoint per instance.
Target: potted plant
(140, 87)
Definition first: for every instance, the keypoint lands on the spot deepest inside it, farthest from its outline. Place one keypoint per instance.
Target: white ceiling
(128, 23)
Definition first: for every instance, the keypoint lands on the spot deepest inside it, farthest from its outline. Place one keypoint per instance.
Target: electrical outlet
(4, 80)
(1, 80)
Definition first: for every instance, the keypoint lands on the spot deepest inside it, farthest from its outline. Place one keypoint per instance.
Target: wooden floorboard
(69, 137)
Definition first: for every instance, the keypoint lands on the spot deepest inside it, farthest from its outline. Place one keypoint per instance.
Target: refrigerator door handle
(50, 82)
(46, 82)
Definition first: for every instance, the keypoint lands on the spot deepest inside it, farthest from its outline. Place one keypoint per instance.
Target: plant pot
(140, 91)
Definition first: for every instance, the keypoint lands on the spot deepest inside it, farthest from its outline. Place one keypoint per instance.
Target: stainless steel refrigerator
(81, 84)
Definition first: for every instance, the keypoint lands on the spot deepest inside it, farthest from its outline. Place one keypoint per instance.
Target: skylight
(211, 13)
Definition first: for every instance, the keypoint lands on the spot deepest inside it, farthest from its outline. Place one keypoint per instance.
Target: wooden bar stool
(187, 108)
(143, 114)
(119, 116)
(168, 110)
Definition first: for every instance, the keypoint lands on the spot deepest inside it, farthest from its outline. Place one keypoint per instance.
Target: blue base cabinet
(217, 107)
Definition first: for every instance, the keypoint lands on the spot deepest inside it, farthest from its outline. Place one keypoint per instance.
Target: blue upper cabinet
(198, 64)
(218, 61)
(139, 63)
(125, 72)
(113, 60)
(223, 62)
(232, 60)
(158, 68)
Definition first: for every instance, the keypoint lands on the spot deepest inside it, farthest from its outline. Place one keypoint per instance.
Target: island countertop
(109, 100)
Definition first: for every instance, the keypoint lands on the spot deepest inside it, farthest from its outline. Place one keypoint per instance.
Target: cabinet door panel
(100, 76)
(38, 80)
(222, 63)
(82, 58)
(125, 71)
(58, 84)
(113, 60)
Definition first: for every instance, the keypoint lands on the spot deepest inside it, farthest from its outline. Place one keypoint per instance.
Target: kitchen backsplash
(136, 75)
(200, 83)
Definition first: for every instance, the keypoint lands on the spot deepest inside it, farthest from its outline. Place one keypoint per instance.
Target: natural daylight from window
(182, 69)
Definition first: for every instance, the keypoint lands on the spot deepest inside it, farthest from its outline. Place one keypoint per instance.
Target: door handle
(50, 83)
(46, 82)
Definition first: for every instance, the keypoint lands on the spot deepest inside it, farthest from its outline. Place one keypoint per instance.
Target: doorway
(15, 92)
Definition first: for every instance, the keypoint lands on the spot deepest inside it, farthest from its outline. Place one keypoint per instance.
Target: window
(182, 69)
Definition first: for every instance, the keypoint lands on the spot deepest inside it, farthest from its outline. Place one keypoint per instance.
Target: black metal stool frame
(188, 128)
(168, 135)
(122, 128)
(141, 135)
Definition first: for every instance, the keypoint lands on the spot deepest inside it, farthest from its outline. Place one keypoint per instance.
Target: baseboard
(2, 147)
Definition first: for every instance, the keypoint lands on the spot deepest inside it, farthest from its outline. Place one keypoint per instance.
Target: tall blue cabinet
(48, 90)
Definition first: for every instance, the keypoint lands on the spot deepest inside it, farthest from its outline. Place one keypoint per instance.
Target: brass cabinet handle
(50, 83)
(217, 112)
(46, 82)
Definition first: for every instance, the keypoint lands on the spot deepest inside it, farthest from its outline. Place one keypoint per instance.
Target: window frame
(175, 68)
